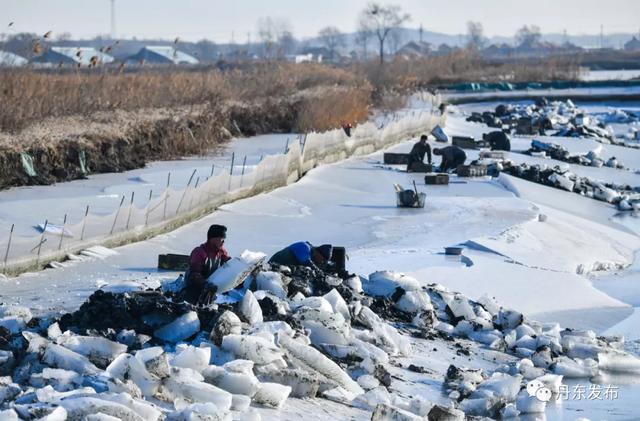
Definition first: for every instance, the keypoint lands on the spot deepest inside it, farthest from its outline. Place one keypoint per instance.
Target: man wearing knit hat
(303, 254)
(205, 259)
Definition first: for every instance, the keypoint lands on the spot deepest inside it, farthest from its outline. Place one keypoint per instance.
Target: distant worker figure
(347, 128)
(498, 140)
(303, 253)
(205, 259)
(452, 156)
(416, 156)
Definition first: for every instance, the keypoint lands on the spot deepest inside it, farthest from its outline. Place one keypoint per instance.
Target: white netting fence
(172, 208)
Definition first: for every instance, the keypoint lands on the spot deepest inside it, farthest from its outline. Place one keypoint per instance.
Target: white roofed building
(83, 56)
(152, 54)
(8, 59)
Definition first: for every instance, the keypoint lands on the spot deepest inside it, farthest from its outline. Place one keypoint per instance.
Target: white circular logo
(537, 389)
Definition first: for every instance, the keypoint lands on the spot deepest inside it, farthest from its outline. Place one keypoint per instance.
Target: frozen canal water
(29, 206)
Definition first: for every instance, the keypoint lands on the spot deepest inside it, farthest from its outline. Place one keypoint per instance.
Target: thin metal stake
(46, 223)
(130, 208)
(116, 217)
(64, 223)
(233, 159)
(213, 166)
(6, 254)
(185, 190)
(84, 223)
(166, 197)
(146, 216)
(244, 163)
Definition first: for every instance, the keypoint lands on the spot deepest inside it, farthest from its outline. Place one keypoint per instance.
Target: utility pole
(601, 36)
(421, 30)
(113, 19)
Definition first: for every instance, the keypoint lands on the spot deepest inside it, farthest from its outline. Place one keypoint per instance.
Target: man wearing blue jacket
(303, 253)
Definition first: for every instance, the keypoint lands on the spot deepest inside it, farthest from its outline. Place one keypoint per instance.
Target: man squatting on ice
(452, 156)
(204, 260)
(416, 156)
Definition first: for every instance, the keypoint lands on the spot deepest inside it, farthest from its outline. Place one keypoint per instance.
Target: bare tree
(381, 21)
(206, 49)
(271, 32)
(475, 35)
(286, 43)
(396, 38)
(332, 39)
(528, 35)
(362, 40)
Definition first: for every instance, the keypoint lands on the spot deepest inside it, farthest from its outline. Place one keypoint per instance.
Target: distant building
(161, 55)
(632, 45)
(530, 50)
(8, 59)
(305, 58)
(498, 50)
(444, 49)
(83, 56)
(323, 55)
(415, 49)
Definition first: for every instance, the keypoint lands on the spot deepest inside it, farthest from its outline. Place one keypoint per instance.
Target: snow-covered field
(549, 268)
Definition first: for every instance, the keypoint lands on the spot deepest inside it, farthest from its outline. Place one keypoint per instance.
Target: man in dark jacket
(205, 259)
(498, 140)
(452, 156)
(303, 253)
(416, 156)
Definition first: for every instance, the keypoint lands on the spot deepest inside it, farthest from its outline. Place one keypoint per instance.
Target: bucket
(453, 251)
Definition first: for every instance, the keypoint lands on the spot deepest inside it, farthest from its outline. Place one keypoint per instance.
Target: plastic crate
(471, 170)
(492, 155)
(436, 179)
(173, 262)
(420, 167)
(463, 142)
(391, 158)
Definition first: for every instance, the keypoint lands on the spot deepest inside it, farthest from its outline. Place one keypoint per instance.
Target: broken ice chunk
(98, 350)
(319, 362)
(180, 329)
(272, 282)
(384, 283)
(254, 348)
(272, 394)
(250, 308)
(61, 357)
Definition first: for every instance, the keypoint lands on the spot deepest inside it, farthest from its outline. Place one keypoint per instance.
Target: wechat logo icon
(537, 389)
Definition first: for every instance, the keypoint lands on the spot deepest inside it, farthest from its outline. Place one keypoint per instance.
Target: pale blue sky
(215, 19)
